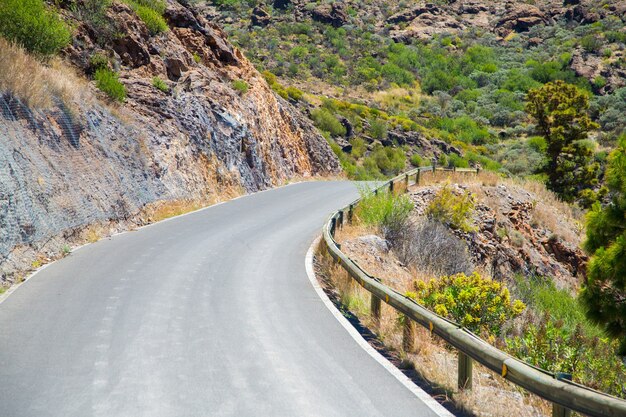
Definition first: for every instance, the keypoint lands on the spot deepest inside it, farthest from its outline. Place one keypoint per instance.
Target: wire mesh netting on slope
(58, 173)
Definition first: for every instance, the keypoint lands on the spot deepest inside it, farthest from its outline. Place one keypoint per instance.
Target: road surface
(209, 314)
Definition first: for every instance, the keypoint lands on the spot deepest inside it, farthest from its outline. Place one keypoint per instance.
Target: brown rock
(519, 18)
(260, 17)
(334, 14)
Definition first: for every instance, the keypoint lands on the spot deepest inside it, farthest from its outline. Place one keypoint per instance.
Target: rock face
(515, 234)
(85, 162)
(334, 14)
(260, 17)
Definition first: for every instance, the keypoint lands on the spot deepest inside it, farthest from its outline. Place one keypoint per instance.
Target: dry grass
(36, 83)
(431, 358)
(166, 209)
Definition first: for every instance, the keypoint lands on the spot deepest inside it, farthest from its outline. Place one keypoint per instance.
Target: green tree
(604, 292)
(560, 110)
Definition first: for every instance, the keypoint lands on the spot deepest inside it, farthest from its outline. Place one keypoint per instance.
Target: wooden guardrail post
(375, 308)
(406, 181)
(417, 177)
(350, 213)
(465, 371)
(408, 335)
(559, 410)
(391, 186)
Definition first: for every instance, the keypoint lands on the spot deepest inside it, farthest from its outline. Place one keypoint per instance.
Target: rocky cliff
(81, 161)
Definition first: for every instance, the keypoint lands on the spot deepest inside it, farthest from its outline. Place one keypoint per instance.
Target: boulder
(519, 18)
(260, 17)
(334, 14)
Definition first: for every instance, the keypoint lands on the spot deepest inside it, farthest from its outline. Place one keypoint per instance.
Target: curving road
(209, 314)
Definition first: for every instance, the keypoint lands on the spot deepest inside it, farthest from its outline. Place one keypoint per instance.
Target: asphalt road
(209, 314)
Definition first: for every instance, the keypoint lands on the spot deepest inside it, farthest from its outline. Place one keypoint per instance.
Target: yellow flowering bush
(479, 304)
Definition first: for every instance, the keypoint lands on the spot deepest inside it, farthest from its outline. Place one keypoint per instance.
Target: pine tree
(560, 110)
(604, 293)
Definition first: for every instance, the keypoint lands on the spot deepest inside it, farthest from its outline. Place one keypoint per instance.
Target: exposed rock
(349, 129)
(508, 240)
(519, 18)
(282, 4)
(334, 14)
(65, 169)
(582, 14)
(260, 17)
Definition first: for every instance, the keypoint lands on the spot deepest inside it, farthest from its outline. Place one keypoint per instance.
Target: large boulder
(519, 18)
(334, 14)
(260, 17)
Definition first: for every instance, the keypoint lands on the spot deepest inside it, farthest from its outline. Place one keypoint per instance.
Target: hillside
(128, 124)
(394, 83)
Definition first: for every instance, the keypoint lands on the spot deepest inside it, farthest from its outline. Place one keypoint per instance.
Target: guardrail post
(391, 186)
(559, 410)
(350, 213)
(465, 371)
(375, 308)
(417, 177)
(408, 335)
(341, 219)
(406, 181)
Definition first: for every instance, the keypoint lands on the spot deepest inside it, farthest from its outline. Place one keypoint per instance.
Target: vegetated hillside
(398, 82)
(125, 112)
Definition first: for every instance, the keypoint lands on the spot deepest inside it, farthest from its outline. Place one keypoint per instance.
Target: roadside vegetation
(527, 316)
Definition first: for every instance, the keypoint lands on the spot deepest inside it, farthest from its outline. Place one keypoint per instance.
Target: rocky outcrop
(260, 17)
(509, 239)
(83, 162)
(519, 18)
(334, 14)
(425, 19)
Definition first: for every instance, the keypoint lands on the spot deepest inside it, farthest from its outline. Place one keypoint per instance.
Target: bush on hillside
(383, 209)
(452, 209)
(480, 304)
(32, 25)
(108, 82)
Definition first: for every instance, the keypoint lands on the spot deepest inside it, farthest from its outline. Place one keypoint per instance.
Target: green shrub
(452, 209)
(294, 93)
(416, 160)
(151, 14)
(378, 129)
(383, 208)
(479, 304)
(551, 345)
(98, 60)
(32, 25)
(108, 82)
(591, 43)
(457, 161)
(326, 121)
(538, 143)
(241, 86)
(390, 161)
(160, 84)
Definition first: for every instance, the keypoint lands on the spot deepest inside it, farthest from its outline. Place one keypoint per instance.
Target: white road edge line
(429, 401)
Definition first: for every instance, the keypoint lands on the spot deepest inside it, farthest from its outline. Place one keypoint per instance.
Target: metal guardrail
(554, 387)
